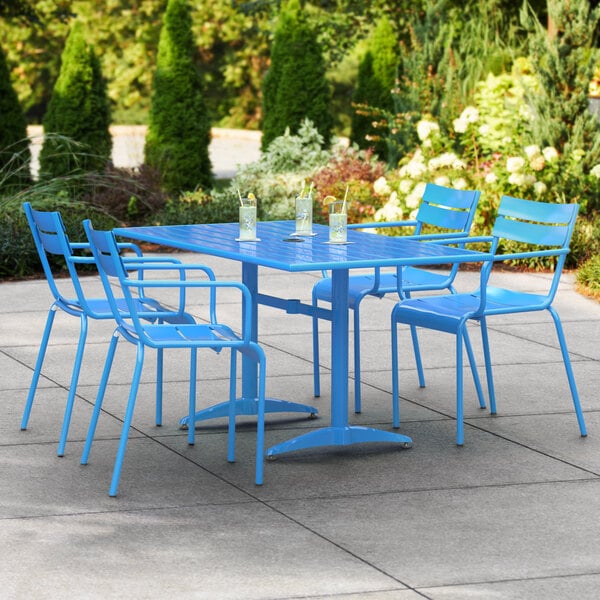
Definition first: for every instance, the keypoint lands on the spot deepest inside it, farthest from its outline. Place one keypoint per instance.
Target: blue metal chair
(545, 230)
(450, 212)
(160, 335)
(50, 238)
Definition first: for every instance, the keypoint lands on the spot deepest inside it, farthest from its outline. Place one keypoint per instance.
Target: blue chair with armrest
(132, 327)
(544, 230)
(70, 296)
(444, 213)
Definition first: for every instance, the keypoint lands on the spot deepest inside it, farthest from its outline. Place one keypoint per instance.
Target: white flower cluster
(536, 160)
(469, 115)
(391, 210)
(381, 187)
(425, 128)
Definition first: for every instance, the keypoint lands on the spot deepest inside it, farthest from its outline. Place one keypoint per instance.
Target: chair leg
(260, 424)
(38, 367)
(192, 396)
(488, 365)
(73, 386)
(232, 399)
(357, 375)
(99, 399)
(417, 353)
(473, 365)
(460, 426)
(570, 376)
(139, 363)
(159, 387)
(315, 336)
(395, 391)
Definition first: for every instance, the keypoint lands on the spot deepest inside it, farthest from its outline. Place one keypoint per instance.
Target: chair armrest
(531, 254)
(121, 245)
(374, 224)
(149, 264)
(213, 285)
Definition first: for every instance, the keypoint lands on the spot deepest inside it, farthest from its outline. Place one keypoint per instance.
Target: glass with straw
(338, 220)
(247, 217)
(304, 212)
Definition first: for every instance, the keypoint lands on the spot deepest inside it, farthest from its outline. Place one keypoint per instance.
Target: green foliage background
(232, 37)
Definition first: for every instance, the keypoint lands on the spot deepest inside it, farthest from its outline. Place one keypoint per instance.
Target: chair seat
(188, 334)
(361, 285)
(447, 312)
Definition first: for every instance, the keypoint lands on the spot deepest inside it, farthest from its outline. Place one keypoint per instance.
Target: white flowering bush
(485, 150)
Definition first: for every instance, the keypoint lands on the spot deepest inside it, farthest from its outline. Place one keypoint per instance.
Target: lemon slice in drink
(328, 200)
(251, 196)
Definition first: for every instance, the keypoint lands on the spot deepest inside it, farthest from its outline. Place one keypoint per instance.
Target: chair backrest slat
(106, 252)
(447, 208)
(50, 237)
(538, 212)
(530, 233)
(536, 223)
(440, 216)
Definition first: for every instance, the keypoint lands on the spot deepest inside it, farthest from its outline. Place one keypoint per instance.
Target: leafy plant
(564, 60)
(275, 179)
(198, 207)
(18, 255)
(358, 171)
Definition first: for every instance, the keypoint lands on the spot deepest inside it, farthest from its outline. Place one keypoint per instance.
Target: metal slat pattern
(310, 254)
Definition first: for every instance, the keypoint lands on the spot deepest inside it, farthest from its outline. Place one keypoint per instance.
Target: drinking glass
(303, 215)
(338, 222)
(247, 219)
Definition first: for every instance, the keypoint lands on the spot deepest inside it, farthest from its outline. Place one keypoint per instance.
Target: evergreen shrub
(179, 125)
(15, 155)
(295, 87)
(79, 112)
(18, 255)
(377, 74)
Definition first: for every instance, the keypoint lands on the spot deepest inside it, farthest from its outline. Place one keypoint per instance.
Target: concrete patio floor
(512, 514)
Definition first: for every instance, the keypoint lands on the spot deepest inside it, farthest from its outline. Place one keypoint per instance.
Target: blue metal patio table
(278, 249)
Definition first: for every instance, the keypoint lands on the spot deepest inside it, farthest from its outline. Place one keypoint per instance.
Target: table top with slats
(276, 250)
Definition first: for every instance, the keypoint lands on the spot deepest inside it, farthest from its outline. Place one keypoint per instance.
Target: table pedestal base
(339, 436)
(248, 406)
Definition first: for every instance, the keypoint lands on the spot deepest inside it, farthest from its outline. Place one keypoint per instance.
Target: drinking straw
(240, 195)
(344, 207)
(310, 189)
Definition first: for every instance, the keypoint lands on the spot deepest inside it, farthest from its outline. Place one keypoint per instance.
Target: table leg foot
(249, 406)
(339, 436)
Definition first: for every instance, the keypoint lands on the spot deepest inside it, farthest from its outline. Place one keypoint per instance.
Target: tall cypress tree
(15, 155)
(295, 87)
(376, 79)
(179, 126)
(79, 110)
